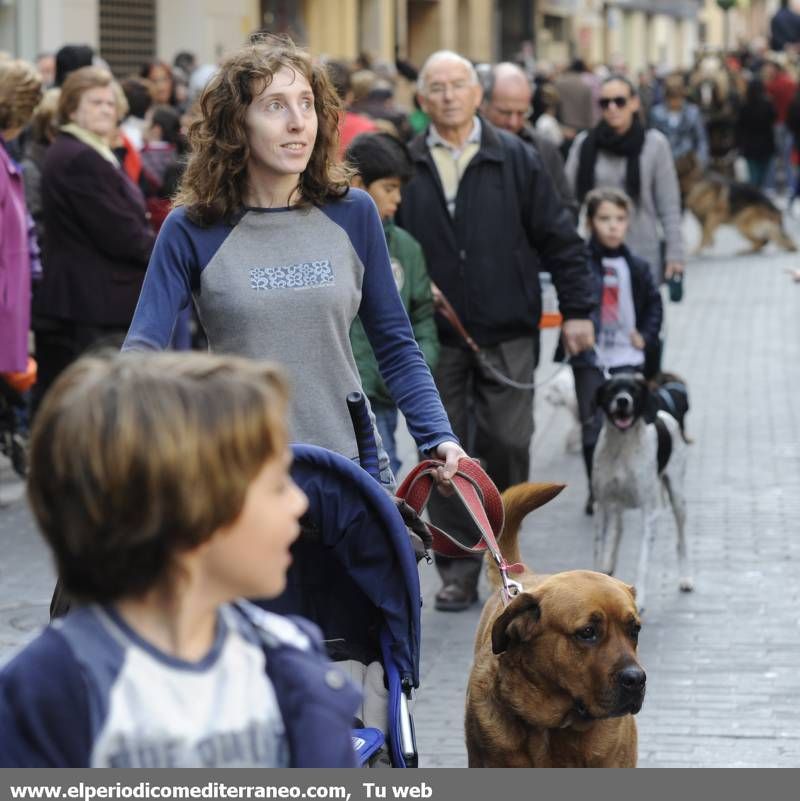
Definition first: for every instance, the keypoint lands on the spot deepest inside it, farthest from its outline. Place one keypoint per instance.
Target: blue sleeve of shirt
(181, 252)
(386, 322)
(44, 708)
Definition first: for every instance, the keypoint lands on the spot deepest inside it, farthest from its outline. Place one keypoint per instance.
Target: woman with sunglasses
(618, 152)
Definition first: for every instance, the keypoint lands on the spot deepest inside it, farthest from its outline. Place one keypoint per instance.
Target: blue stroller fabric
(354, 574)
(366, 743)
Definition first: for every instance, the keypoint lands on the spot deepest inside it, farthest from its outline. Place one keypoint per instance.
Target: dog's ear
(517, 623)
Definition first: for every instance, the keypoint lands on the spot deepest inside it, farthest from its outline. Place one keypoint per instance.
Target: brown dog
(555, 681)
(717, 201)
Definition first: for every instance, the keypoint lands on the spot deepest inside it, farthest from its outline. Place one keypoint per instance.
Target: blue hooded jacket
(55, 693)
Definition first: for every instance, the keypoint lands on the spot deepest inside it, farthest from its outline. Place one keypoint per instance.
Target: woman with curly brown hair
(279, 255)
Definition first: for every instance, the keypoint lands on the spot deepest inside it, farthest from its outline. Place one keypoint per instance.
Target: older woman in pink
(20, 92)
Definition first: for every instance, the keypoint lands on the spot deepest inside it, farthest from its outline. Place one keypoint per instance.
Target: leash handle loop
(482, 501)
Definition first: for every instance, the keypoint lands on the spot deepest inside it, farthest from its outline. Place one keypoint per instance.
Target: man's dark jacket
(554, 164)
(97, 241)
(508, 222)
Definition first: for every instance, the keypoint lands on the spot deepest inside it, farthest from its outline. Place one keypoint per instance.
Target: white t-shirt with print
(617, 316)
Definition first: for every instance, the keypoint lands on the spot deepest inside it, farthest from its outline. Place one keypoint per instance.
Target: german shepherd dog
(716, 201)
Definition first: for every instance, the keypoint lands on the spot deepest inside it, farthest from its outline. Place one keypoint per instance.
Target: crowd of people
(278, 208)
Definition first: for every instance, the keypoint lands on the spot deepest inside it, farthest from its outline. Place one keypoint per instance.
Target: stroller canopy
(354, 571)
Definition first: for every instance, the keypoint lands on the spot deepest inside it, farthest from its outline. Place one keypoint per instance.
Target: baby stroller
(354, 574)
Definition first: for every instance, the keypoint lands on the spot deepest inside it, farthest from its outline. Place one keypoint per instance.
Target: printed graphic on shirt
(307, 275)
(617, 316)
(258, 744)
(610, 315)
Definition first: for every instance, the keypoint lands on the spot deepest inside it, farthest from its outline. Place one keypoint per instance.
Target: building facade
(128, 32)
(666, 33)
(639, 33)
(746, 21)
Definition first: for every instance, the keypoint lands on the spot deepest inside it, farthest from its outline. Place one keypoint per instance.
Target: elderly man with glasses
(618, 152)
(487, 216)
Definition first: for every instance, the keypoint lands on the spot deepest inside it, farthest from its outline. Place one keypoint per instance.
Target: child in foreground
(630, 306)
(161, 484)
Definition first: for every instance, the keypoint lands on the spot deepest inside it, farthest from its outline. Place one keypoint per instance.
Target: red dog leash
(480, 498)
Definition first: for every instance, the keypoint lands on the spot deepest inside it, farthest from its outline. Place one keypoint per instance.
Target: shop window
(127, 34)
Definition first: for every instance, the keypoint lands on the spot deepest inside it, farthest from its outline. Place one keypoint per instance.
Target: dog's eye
(635, 629)
(587, 634)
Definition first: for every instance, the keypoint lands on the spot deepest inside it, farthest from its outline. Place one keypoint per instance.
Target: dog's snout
(623, 401)
(632, 678)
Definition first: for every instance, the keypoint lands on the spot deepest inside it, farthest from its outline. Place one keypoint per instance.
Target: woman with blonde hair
(20, 92)
(97, 240)
(279, 255)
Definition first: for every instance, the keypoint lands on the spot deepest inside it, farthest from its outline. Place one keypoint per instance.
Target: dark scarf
(603, 137)
(600, 251)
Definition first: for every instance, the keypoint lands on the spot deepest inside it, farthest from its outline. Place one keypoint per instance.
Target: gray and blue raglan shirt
(285, 285)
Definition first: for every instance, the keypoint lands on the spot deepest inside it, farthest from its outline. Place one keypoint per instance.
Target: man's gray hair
(444, 55)
(490, 72)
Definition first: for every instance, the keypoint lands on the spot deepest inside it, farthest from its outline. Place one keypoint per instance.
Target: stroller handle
(365, 435)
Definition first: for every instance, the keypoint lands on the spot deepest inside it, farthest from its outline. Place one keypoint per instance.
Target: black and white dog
(633, 462)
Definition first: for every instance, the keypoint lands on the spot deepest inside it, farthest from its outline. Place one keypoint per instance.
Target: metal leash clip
(511, 588)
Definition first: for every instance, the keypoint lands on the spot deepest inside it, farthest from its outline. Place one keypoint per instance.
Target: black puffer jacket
(509, 221)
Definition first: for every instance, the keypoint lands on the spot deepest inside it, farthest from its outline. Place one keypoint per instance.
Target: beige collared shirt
(452, 161)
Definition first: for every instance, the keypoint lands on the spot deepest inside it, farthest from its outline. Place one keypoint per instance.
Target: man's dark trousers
(494, 423)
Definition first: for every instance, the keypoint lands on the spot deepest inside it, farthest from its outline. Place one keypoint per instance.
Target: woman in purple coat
(20, 92)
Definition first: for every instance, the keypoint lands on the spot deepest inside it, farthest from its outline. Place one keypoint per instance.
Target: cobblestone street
(722, 662)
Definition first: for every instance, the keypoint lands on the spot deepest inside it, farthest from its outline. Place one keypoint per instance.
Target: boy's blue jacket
(49, 704)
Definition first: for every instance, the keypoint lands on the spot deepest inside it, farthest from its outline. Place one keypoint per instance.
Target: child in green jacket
(383, 165)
